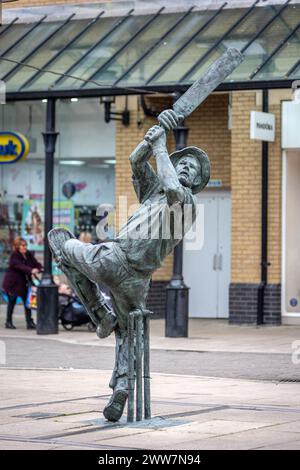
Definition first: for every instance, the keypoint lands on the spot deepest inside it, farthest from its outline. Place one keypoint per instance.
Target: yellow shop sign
(13, 147)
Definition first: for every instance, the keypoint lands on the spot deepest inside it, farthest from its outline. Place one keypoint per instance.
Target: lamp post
(47, 313)
(177, 300)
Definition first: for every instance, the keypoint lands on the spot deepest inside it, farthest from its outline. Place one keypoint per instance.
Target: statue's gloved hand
(169, 119)
(156, 136)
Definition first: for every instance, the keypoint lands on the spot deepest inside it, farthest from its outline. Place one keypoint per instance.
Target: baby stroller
(72, 313)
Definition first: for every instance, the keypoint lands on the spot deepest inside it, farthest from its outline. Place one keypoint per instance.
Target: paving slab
(293, 445)
(62, 409)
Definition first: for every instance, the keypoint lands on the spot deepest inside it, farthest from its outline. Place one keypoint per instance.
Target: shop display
(32, 228)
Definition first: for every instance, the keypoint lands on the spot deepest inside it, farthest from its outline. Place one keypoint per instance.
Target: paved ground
(204, 335)
(34, 352)
(225, 387)
(47, 409)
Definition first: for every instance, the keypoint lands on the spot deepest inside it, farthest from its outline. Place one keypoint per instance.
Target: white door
(206, 269)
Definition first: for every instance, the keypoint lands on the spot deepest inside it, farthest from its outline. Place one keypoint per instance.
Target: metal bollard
(139, 364)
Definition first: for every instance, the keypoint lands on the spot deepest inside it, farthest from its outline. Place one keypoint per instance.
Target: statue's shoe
(107, 325)
(115, 407)
(57, 237)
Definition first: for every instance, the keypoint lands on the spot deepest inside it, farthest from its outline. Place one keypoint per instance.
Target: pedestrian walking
(17, 280)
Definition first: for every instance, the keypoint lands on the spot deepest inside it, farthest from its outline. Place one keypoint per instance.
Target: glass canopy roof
(149, 52)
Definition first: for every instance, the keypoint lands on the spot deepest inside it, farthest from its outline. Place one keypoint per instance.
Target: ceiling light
(98, 165)
(72, 162)
(110, 161)
(74, 100)
(107, 99)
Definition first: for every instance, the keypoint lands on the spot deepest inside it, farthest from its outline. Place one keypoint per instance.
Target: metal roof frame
(216, 44)
(282, 20)
(8, 26)
(111, 59)
(23, 36)
(292, 69)
(274, 52)
(102, 88)
(186, 43)
(47, 38)
(114, 27)
(118, 91)
(263, 28)
(61, 51)
(156, 44)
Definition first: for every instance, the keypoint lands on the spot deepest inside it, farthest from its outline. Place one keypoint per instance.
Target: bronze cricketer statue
(126, 264)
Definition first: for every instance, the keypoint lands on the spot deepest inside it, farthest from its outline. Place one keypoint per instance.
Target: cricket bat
(208, 82)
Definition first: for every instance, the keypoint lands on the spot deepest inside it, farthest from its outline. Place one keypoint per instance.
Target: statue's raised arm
(143, 175)
(156, 136)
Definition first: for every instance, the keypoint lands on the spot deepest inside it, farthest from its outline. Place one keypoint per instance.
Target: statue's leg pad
(57, 238)
(88, 292)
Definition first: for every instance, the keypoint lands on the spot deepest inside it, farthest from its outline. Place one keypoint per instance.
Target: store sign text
(13, 147)
(262, 126)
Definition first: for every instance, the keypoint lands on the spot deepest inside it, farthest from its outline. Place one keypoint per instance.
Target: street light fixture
(110, 115)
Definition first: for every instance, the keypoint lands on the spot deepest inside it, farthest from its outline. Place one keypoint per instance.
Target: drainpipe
(264, 219)
(47, 313)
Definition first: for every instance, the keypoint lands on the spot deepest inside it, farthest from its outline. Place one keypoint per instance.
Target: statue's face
(187, 169)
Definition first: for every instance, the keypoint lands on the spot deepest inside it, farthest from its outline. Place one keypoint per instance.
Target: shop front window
(84, 174)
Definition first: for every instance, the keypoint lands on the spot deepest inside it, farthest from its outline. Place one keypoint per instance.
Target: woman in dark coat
(22, 264)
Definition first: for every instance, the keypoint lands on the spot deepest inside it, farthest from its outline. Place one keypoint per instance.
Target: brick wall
(209, 130)
(274, 203)
(246, 194)
(246, 215)
(243, 301)
(157, 298)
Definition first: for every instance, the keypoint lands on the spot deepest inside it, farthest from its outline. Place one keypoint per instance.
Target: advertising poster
(33, 220)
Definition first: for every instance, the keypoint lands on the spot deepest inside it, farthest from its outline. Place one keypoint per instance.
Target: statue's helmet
(202, 157)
